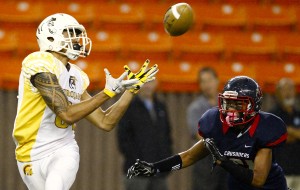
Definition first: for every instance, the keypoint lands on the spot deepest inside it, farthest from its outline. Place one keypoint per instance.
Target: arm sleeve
(275, 133)
(35, 63)
(206, 124)
(38, 63)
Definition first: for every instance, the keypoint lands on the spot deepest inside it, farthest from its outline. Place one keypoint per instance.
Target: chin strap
(71, 56)
(70, 52)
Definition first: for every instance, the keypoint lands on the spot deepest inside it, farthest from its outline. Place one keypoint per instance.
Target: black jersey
(266, 131)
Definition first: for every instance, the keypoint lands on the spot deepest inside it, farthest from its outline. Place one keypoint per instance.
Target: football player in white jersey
(52, 97)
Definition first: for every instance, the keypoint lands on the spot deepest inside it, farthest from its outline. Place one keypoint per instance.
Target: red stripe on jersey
(199, 132)
(225, 128)
(280, 140)
(254, 125)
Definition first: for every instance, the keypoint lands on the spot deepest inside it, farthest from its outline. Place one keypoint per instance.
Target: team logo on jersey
(72, 82)
(27, 169)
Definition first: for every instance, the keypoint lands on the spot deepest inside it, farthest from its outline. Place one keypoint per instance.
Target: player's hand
(115, 86)
(141, 168)
(144, 75)
(214, 151)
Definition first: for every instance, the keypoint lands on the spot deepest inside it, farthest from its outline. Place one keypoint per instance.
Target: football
(178, 19)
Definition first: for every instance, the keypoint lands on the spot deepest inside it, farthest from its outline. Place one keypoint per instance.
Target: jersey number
(61, 124)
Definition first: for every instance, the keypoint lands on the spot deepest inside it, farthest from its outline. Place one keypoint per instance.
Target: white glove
(115, 86)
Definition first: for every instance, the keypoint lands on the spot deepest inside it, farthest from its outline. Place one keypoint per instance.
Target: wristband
(168, 164)
(109, 93)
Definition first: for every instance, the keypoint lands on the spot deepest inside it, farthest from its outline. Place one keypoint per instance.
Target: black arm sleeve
(242, 174)
(168, 164)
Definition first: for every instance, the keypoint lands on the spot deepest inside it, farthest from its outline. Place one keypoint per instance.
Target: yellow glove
(144, 75)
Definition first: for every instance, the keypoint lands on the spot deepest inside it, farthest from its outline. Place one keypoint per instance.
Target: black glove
(141, 168)
(216, 154)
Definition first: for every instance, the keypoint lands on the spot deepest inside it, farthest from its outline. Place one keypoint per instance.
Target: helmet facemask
(75, 43)
(235, 110)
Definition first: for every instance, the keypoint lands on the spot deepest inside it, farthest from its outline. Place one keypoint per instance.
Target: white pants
(57, 171)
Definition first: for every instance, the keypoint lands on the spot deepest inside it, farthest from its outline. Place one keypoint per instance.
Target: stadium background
(258, 38)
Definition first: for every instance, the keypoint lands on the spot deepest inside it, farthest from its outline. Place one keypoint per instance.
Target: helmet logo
(50, 24)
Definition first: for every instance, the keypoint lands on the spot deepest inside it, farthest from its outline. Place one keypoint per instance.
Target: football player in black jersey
(239, 136)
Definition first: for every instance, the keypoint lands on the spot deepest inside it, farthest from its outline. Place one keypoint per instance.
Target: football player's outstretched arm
(176, 162)
(52, 93)
(109, 118)
(195, 153)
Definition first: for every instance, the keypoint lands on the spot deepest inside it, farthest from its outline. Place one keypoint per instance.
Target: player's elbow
(259, 178)
(105, 126)
(259, 182)
(102, 124)
(69, 120)
(108, 124)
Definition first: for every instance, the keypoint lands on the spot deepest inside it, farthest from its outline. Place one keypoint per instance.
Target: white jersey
(38, 131)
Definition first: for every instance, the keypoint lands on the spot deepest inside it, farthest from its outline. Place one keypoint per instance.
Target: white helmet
(60, 32)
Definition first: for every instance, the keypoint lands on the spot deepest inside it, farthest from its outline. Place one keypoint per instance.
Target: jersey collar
(252, 127)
